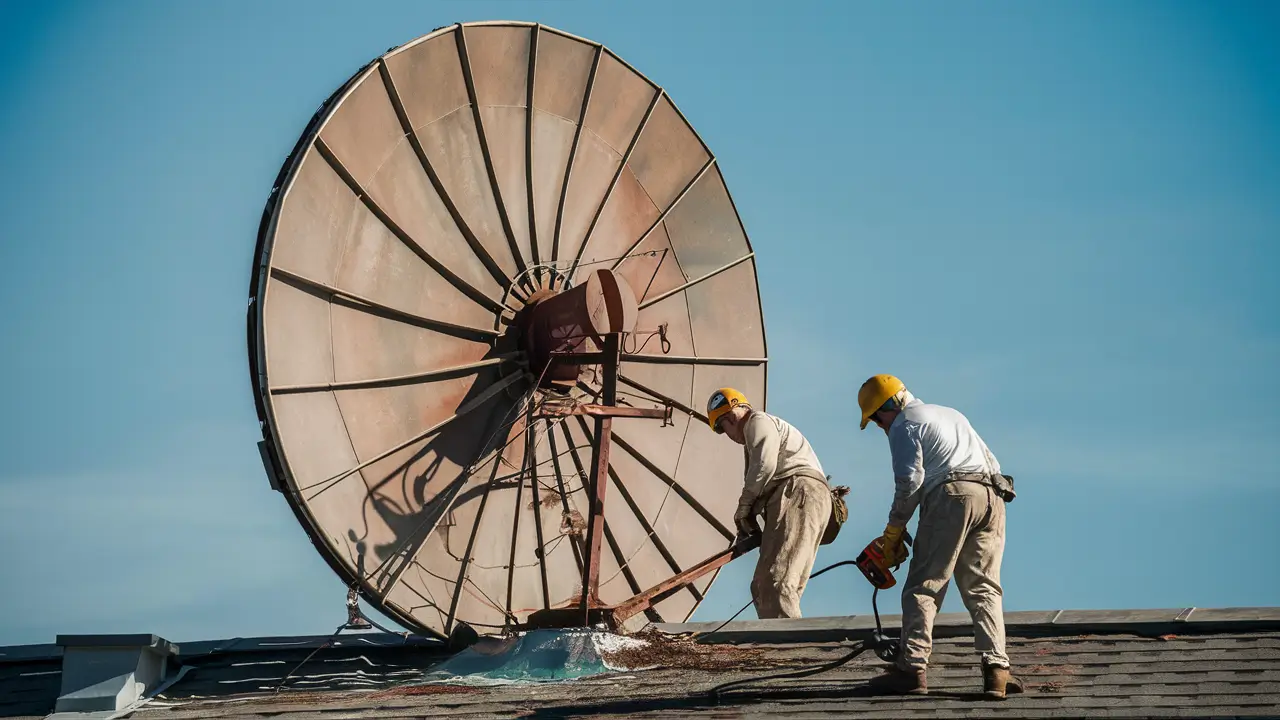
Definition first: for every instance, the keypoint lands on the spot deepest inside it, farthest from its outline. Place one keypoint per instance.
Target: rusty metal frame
(576, 616)
(586, 490)
(600, 472)
(614, 548)
(648, 528)
(672, 585)
(627, 573)
(640, 518)
(589, 608)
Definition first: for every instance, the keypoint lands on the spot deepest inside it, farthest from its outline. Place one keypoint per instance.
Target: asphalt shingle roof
(1210, 663)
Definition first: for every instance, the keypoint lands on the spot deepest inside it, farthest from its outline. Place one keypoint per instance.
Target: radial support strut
(600, 473)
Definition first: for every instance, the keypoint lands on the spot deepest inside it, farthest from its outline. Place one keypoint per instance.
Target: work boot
(997, 682)
(896, 681)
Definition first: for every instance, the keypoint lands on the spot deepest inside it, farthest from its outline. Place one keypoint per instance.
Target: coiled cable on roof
(885, 648)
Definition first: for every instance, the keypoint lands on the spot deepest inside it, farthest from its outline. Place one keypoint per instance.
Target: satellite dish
(491, 249)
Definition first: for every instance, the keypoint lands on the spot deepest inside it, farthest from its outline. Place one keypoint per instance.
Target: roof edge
(795, 630)
(1036, 623)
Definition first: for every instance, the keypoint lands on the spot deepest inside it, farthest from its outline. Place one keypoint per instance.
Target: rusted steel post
(600, 472)
(665, 589)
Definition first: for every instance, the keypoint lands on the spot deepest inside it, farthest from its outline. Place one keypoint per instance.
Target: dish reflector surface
(447, 187)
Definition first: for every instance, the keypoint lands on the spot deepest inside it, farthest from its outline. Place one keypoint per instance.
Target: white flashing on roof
(108, 673)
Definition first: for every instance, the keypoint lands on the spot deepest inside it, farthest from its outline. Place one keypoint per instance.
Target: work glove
(745, 521)
(891, 545)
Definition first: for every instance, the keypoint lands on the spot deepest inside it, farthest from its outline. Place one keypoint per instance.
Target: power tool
(875, 566)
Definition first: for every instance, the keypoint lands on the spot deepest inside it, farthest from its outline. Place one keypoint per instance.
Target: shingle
(1231, 673)
(29, 683)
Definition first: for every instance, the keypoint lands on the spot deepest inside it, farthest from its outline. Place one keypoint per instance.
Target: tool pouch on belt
(1003, 485)
(839, 512)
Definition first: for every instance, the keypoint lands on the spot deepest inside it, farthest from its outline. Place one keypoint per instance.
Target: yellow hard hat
(720, 403)
(875, 392)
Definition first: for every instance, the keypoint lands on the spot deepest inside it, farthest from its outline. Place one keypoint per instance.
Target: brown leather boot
(896, 681)
(997, 682)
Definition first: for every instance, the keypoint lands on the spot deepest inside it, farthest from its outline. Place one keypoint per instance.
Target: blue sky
(1061, 218)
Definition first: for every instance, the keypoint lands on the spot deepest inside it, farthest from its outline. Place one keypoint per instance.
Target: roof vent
(110, 672)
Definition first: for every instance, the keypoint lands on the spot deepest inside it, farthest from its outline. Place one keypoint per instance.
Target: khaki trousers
(795, 516)
(962, 532)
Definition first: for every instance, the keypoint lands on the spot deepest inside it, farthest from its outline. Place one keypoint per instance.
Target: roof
(1153, 663)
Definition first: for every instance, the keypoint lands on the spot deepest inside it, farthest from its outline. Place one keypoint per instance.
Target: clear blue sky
(1061, 218)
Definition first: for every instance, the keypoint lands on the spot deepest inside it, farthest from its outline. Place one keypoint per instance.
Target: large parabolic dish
(447, 214)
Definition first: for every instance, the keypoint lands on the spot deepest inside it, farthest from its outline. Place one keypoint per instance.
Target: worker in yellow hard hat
(942, 465)
(784, 481)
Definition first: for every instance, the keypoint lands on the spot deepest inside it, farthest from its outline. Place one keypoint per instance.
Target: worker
(941, 465)
(784, 481)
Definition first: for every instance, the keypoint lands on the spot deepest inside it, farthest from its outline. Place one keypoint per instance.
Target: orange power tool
(875, 566)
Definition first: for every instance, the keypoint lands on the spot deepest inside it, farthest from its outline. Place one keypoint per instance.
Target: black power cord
(744, 607)
(885, 648)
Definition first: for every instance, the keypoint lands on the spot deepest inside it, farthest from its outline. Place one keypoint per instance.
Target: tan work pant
(961, 531)
(795, 516)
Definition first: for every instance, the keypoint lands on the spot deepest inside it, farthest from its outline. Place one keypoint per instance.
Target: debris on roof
(682, 652)
(1219, 663)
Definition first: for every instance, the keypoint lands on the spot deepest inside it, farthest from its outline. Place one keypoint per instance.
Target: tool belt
(1001, 484)
(839, 509)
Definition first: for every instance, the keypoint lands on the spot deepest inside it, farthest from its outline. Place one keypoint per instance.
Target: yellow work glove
(891, 544)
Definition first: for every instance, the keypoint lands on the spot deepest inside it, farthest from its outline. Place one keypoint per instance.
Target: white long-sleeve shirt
(768, 459)
(928, 443)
